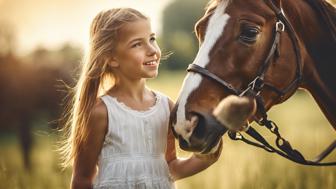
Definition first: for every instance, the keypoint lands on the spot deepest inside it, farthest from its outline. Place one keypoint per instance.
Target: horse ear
(197, 32)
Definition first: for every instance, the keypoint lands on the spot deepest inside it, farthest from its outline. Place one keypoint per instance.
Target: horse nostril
(198, 122)
(192, 123)
(203, 133)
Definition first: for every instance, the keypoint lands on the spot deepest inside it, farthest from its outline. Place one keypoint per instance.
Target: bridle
(254, 89)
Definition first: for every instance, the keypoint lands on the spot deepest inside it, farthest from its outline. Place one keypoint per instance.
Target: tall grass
(240, 166)
(45, 171)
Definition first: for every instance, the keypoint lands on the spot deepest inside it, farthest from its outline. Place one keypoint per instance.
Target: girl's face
(137, 54)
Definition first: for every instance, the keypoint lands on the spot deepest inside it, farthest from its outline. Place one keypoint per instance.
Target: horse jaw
(234, 112)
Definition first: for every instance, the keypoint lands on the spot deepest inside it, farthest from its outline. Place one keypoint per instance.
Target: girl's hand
(211, 157)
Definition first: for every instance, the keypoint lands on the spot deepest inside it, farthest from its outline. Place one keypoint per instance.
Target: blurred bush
(178, 35)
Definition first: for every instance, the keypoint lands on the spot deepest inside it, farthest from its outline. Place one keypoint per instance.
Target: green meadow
(239, 167)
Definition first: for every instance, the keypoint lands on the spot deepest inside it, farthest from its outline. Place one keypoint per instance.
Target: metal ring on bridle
(279, 26)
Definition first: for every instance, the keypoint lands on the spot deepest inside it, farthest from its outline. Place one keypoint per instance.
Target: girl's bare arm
(85, 162)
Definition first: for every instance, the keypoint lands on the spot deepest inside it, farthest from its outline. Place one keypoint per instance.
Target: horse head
(247, 48)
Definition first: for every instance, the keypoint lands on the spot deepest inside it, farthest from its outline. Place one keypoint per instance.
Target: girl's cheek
(140, 59)
(159, 53)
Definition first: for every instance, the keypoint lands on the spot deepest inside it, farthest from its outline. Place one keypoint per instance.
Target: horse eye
(249, 34)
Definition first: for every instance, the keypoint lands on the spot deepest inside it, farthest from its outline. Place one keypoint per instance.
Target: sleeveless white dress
(133, 153)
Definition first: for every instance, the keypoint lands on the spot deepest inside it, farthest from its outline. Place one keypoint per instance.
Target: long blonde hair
(95, 77)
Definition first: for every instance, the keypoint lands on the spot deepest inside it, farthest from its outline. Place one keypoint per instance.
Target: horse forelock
(214, 3)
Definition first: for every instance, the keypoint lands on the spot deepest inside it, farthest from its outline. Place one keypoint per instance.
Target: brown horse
(27, 92)
(264, 49)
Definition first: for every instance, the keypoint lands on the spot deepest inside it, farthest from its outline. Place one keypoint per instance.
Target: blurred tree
(177, 37)
(7, 39)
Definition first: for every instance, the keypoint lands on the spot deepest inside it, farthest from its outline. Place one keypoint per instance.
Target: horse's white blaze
(214, 30)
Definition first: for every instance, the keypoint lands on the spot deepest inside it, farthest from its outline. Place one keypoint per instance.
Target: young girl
(119, 137)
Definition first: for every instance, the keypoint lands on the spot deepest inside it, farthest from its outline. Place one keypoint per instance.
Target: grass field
(240, 166)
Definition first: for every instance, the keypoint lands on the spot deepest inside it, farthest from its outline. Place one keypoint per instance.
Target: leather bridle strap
(286, 149)
(198, 69)
(291, 32)
(289, 153)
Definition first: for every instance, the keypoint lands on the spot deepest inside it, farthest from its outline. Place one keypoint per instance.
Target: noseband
(255, 87)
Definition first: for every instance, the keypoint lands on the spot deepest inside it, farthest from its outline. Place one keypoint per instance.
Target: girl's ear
(112, 61)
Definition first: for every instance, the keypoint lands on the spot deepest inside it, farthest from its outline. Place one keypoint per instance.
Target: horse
(263, 51)
(29, 91)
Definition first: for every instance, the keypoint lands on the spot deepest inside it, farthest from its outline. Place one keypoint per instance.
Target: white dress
(133, 153)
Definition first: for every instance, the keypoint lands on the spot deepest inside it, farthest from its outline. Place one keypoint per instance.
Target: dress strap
(164, 101)
(109, 107)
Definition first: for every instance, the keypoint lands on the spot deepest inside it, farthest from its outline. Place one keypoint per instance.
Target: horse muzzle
(205, 135)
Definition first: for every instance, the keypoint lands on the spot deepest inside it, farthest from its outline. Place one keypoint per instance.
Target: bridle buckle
(279, 26)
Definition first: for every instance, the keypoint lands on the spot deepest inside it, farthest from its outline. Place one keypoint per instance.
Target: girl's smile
(151, 64)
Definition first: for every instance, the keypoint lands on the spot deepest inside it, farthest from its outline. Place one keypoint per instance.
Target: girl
(119, 137)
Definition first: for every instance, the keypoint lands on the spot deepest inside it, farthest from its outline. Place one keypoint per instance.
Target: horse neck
(318, 55)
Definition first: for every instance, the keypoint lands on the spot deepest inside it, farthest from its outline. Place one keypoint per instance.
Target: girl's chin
(152, 73)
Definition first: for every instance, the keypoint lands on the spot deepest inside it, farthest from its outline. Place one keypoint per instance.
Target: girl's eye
(136, 45)
(152, 39)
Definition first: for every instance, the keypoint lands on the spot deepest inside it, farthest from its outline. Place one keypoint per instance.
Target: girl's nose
(152, 49)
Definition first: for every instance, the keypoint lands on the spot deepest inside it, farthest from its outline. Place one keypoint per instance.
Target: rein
(254, 89)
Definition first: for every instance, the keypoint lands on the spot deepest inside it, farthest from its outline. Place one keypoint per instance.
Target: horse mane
(327, 12)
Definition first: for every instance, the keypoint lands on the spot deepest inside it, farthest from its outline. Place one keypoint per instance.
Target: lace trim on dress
(138, 112)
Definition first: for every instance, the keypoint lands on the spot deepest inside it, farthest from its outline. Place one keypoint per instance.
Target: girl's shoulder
(99, 108)
(98, 117)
